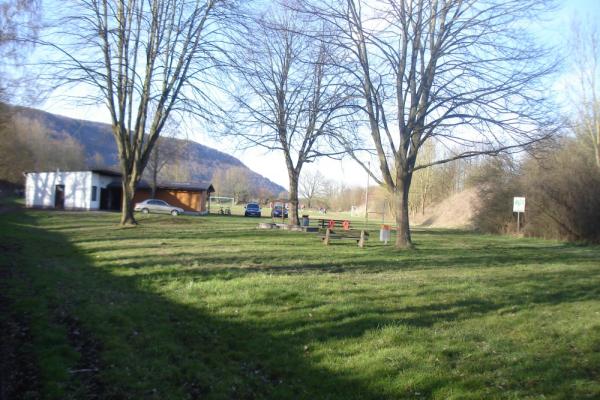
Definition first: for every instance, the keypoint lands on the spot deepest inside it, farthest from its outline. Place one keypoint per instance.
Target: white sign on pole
(519, 204)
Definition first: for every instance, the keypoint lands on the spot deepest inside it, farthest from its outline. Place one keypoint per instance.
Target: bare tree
(167, 150)
(145, 60)
(421, 186)
(287, 98)
(460, 71)
(28, 145)
(233, 181)
(585, 43)
(311, 185)
(19, 24)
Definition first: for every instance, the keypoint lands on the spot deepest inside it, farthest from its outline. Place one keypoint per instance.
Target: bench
(359, 236)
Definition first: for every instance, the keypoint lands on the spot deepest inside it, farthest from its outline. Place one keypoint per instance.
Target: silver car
(157, 206)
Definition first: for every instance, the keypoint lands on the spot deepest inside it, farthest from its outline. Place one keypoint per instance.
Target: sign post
(519, 207)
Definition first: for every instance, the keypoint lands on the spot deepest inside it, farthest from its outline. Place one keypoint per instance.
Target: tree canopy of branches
(459, 71)
(145, 59)
(287, 98)
(585, 43)
(28, 145)
(19, 23)
(167, 151)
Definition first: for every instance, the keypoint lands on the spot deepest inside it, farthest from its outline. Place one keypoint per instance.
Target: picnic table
(332, 223)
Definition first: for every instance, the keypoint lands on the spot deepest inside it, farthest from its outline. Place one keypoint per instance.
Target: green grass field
(212, 308)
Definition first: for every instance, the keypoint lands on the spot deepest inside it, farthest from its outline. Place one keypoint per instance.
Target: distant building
(101, 190)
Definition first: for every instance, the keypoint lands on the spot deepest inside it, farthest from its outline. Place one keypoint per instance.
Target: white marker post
(519, 207)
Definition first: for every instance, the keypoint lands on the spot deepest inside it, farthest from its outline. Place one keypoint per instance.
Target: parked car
(252, 210)
(277, 210)
(157, 206)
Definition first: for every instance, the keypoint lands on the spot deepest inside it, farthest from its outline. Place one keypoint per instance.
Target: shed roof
(187, 186)
(109, 172)
(190, 186)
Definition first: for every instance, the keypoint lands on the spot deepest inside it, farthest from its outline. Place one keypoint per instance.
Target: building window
(94, 193)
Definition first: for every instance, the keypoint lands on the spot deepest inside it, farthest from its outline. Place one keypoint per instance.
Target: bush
(562, 188)
(564, 194)
(498, 181)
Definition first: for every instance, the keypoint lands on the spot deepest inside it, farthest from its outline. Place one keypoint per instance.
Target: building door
(114, 199)
(104, 199)
(59, 196)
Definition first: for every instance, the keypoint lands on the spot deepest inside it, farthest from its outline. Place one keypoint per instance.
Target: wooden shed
(189, 196)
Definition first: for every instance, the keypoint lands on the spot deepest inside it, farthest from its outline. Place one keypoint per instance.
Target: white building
(74, 190)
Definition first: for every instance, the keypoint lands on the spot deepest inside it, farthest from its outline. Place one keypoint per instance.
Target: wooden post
(361, 242)
(327, 233)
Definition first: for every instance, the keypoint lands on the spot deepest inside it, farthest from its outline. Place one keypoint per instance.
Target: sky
(271, 164)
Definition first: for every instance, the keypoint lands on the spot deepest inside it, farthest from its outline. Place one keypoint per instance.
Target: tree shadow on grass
(152, 347)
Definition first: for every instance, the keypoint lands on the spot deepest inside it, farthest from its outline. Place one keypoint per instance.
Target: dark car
(252, 210)
(277, 210)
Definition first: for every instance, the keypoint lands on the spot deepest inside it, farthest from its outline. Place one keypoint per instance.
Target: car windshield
(252, 206)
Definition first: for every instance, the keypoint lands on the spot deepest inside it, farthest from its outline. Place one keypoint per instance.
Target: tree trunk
(127, 217)
(154, 181)
(293, 211)
(403, 239)
(596, 139)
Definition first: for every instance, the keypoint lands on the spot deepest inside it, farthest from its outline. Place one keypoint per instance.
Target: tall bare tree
(288, 97)
(585, 43)
(461, 71)
(168, 150)
(145, 59)
(311, 185)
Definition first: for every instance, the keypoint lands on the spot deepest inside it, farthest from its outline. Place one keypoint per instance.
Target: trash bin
(385, 233)
(305, 220)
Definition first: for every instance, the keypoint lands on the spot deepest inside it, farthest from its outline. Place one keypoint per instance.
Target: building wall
(40, 189)
(204, 201)
(188, 200)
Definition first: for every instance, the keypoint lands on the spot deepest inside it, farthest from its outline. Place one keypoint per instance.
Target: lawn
(212, 308)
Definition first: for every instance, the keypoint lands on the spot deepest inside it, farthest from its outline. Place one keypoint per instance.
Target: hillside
(99, 148)
(457, 211)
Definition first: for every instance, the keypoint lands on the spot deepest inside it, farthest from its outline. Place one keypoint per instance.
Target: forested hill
(193, 161)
